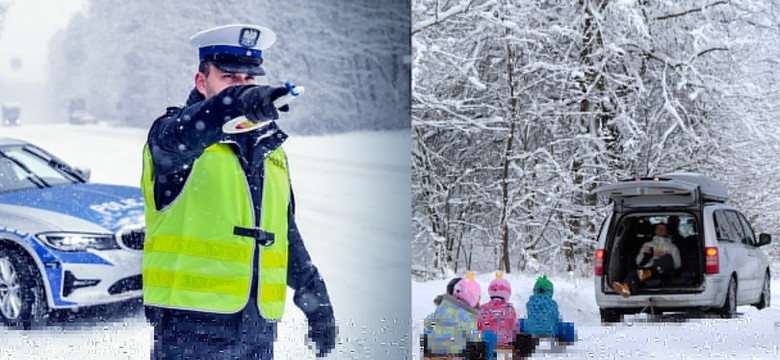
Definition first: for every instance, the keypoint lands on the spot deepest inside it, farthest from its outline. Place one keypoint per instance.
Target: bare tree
(538, 102)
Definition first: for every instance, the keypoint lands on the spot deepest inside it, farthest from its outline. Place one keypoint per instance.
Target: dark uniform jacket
(176, 140)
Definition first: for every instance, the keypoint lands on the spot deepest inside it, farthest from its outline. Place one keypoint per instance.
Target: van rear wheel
(729, 309)
(766, 294)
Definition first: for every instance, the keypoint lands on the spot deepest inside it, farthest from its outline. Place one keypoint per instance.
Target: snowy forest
(131, 59)
(521, 108)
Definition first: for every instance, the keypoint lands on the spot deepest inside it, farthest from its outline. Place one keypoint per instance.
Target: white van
(722, 263)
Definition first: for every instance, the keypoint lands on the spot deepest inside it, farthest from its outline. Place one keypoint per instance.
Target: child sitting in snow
(498, 320)
(452, 329)
(498, 315)
(544, 320)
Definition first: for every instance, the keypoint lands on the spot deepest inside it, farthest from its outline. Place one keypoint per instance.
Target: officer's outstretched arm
(199, 125)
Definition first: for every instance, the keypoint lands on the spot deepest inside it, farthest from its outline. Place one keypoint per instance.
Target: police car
(65, 243)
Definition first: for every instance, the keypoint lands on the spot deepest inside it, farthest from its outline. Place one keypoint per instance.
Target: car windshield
(28, 167)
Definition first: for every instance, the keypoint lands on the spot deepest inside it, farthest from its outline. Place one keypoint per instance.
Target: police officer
(222, 244)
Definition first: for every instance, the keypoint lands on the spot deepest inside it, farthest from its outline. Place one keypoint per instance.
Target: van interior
(635, 229)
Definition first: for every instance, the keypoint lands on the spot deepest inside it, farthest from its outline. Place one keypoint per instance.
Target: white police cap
(235, 48)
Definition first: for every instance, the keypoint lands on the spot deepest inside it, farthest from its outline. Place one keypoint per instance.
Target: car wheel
(766, 294)
(609, 316)
(729, 309)
(22, 299)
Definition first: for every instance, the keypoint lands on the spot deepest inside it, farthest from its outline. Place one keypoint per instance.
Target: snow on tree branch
(541, 102)
(692, 10)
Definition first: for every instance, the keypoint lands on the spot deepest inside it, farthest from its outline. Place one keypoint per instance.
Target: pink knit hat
(468, 290)
(500, 287)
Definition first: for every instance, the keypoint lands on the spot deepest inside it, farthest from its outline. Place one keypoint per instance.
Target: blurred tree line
(130, 60)
(521, 108)
(4, 4)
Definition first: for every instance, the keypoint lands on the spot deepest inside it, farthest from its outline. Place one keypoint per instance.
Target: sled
(541, 345)
(499, 353)
(549, 345)
(506, 352)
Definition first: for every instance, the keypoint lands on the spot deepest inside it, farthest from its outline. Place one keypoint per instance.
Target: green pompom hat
(543, 286)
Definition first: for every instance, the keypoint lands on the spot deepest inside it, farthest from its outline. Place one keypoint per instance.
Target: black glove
(312, 298)
(257, 102)
(322, 332)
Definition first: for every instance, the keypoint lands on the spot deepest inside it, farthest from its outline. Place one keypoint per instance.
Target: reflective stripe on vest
(192, 258)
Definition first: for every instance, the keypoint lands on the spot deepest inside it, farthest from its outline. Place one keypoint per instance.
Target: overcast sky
(28, 26)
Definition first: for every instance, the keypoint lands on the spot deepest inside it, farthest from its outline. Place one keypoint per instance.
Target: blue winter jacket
(178, 138)
(543, 316)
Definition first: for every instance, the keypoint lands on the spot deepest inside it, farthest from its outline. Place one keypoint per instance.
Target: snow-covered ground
(352, 195)
(353, 209)
(753, 334)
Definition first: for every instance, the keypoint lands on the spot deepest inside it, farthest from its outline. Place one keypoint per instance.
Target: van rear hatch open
(668, 190)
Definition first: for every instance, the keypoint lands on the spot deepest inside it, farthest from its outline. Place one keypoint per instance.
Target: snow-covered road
(352, 193)
(353, 209)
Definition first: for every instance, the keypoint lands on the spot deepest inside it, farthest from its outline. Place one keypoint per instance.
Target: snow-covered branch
(692, 10)
(439, 18)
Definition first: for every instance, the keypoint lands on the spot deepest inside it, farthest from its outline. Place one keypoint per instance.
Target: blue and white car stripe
(112, 208)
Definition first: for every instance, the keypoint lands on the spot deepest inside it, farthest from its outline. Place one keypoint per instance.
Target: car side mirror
(764, 239)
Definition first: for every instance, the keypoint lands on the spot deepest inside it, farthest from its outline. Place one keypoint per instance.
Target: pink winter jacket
(500, 317)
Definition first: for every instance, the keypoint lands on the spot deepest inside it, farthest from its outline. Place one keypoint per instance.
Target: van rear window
(680, 225)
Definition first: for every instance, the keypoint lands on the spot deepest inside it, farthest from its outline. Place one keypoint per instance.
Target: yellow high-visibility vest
(198, 250)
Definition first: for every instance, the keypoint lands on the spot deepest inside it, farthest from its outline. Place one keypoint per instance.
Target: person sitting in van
(656, 258)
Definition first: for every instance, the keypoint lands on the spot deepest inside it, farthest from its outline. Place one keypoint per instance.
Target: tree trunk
(505, 198)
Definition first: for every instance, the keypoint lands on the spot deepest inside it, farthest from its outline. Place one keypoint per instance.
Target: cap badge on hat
(234, 48)
(249, 37)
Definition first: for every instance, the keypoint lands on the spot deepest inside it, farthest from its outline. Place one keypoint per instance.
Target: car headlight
(78, 241)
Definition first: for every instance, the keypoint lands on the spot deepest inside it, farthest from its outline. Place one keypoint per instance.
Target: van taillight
(711, 260)
(598, 262)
